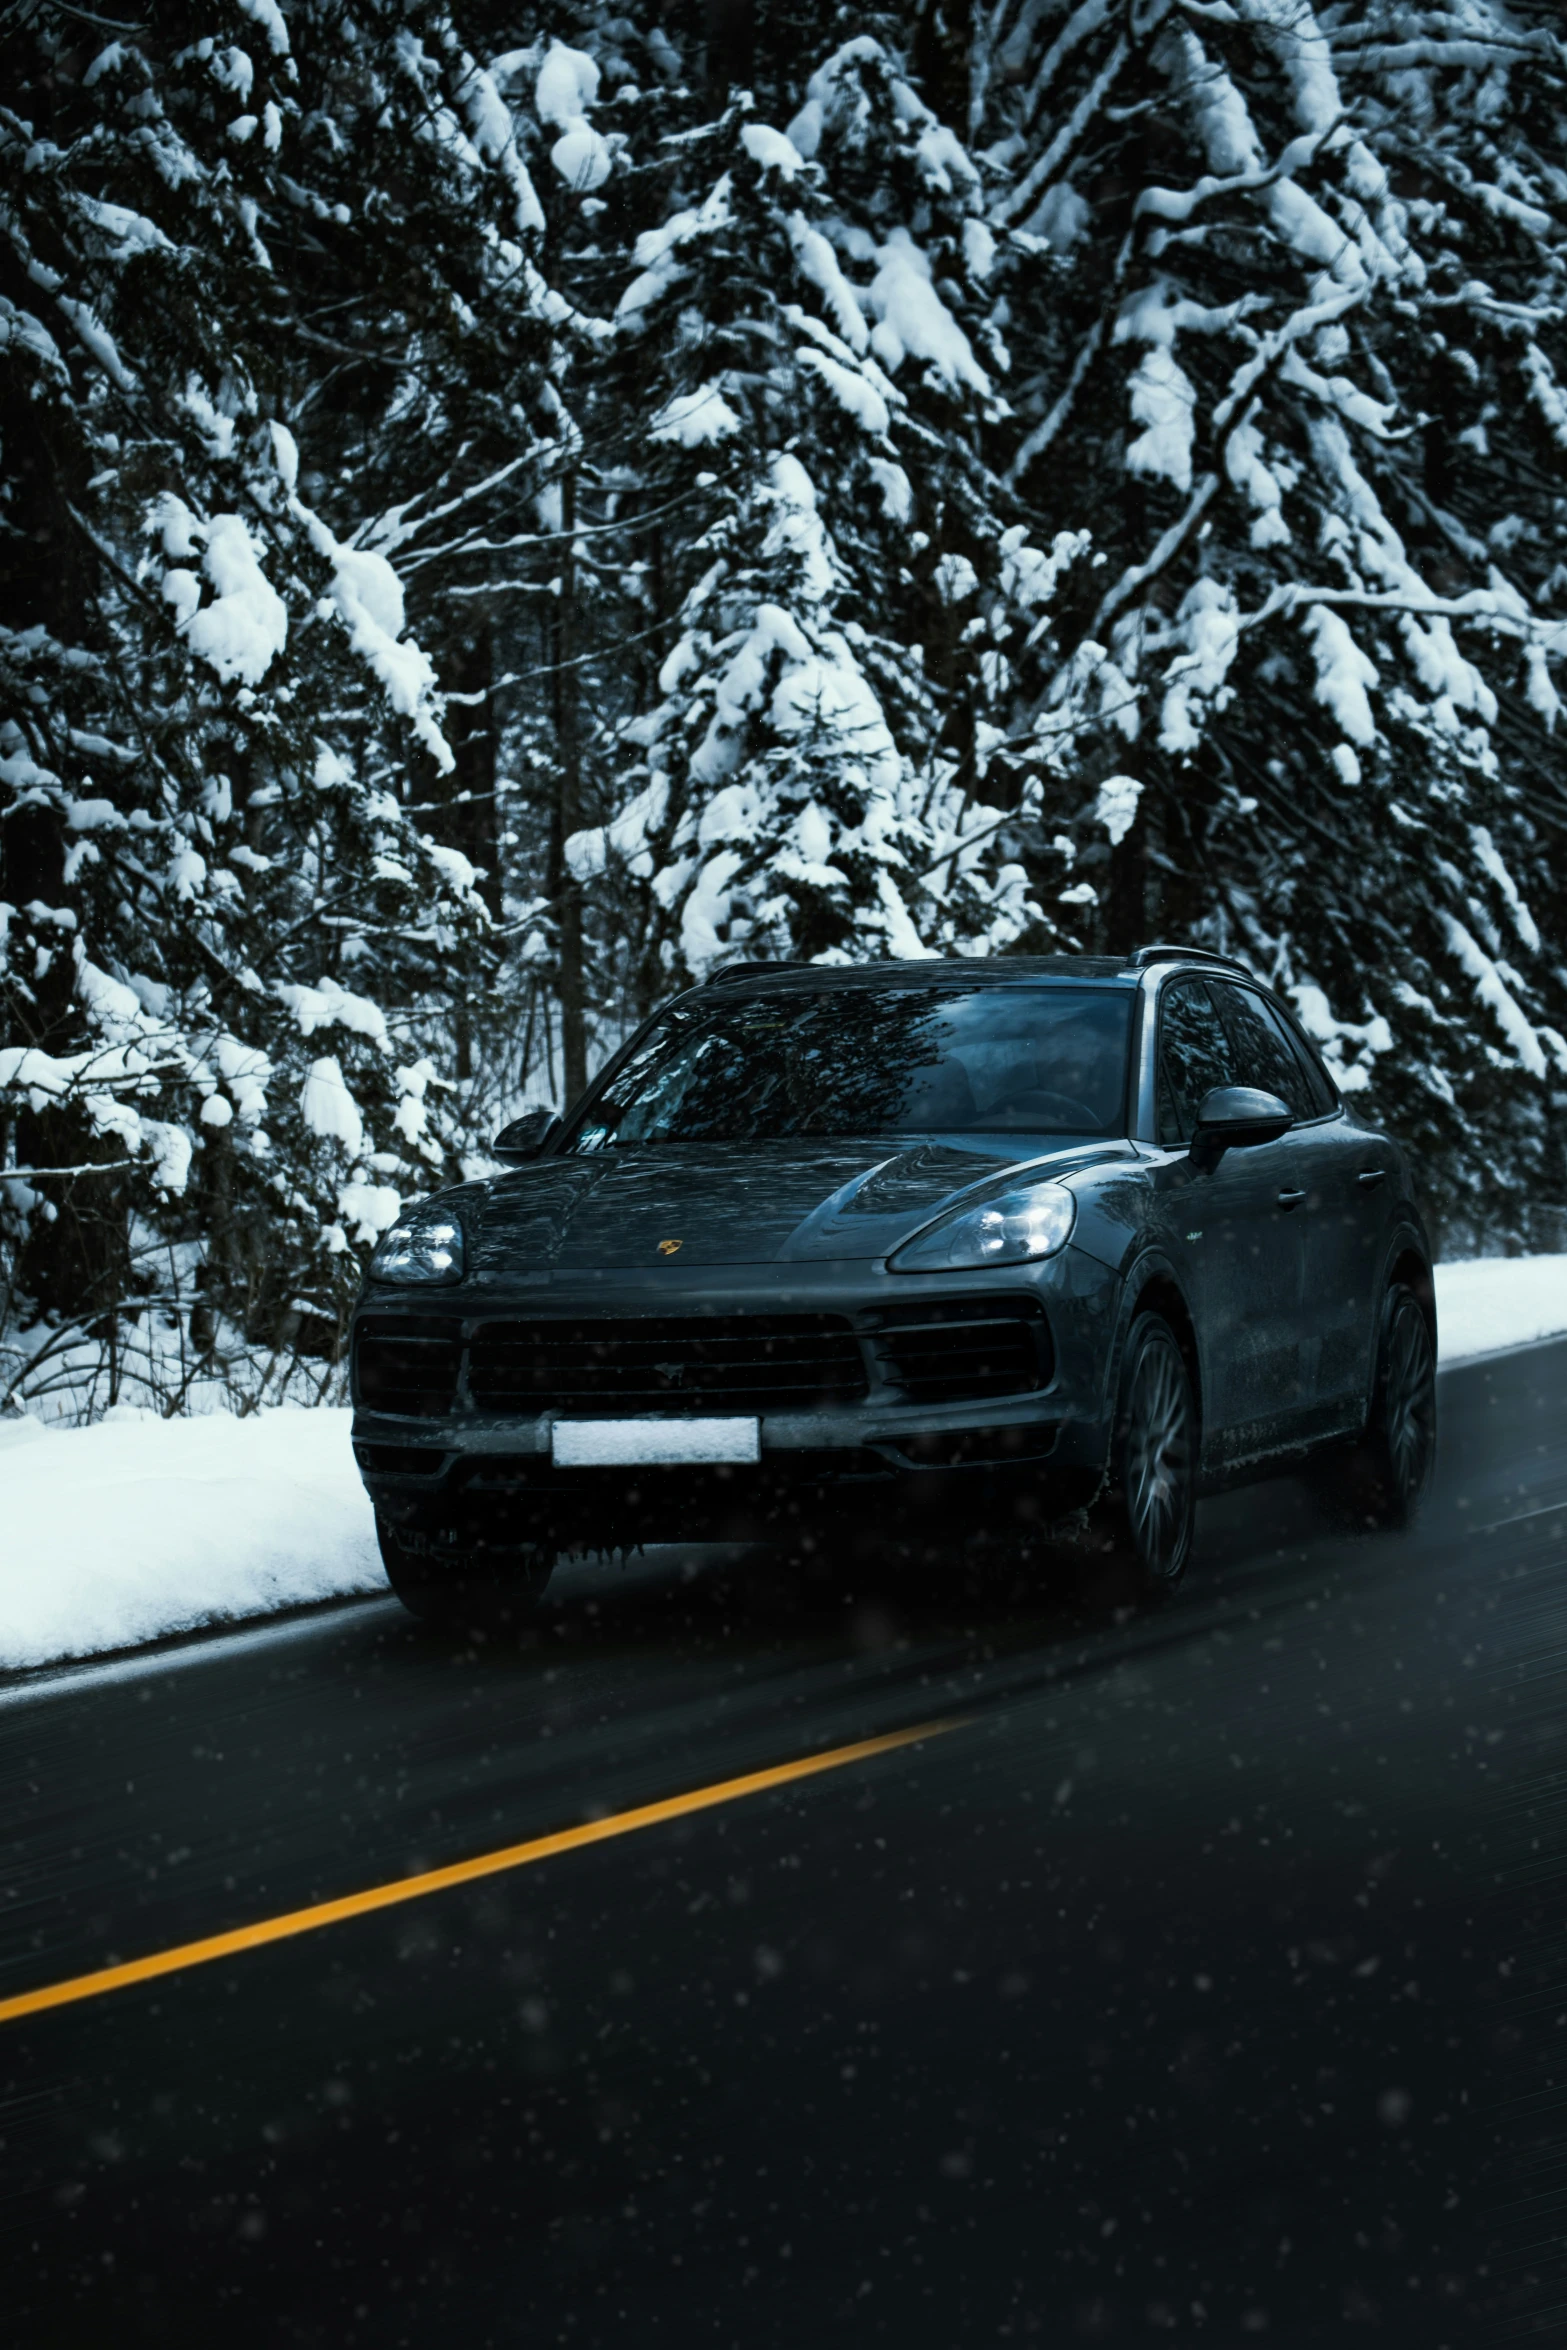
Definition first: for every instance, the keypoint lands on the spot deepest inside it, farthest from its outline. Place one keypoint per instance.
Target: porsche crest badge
(669, 1248)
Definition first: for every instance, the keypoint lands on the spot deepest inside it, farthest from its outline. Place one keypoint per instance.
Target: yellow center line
(457, 1872)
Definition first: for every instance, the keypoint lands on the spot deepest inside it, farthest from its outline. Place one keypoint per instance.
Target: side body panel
(1232, 1230)
(1238, 1258)
(1351, 1179)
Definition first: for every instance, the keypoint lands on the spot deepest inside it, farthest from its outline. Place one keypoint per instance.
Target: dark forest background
(504, 513)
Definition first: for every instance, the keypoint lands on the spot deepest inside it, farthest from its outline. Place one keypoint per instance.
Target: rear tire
(461, 1589)
(1153, 1457)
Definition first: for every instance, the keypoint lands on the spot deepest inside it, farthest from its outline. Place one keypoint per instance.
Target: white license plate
(636, 1444)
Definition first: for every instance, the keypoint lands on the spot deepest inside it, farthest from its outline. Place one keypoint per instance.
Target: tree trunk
(75, 1263)
(1125, 915)
(731, 49)
(469, 671)
(568, 814)
(940, 58)
(472, 823)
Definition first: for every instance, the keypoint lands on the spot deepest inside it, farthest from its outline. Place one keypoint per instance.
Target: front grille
(747, 1363)
(408, 1366)
(955, 1350)
(963, 1350)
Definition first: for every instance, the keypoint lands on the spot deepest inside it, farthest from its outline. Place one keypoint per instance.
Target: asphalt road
(1204, 1977)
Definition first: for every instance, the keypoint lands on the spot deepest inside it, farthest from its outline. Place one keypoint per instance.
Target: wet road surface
(1201, 1973)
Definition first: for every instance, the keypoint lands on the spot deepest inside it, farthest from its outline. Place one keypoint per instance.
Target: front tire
(1399, 1451)
(1154, 1456)
(463, 1590)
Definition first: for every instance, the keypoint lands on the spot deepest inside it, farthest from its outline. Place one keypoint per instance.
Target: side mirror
(527, 1137)
(1235, 1117)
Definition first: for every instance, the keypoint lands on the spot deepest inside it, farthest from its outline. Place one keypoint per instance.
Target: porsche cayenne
(950, 1247)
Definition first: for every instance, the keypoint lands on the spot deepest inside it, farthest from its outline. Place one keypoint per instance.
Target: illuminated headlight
(427, 1250)
(1017, 1228)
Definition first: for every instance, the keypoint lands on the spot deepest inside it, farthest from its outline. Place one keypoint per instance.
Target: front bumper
(483, 1479)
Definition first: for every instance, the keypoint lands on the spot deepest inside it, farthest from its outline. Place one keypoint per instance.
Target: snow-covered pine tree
(422, 347)
(218, 921)
(1286, 285)
(571, 663)
(775, 592)
(809, 325)
(449, 184)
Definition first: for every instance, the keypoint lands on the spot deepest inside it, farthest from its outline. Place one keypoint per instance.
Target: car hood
(738, 1203)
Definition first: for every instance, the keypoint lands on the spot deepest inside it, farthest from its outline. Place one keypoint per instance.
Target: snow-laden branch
(1273, 347)
(1035, 181)
(1406, 56)
(1039, 440)
(1138, 575)
(1178, 204)
(54, 1174)
(1503, 611)
(394, 529)
(521, 540)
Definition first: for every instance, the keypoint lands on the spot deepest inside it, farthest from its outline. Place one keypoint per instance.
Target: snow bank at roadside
(1490, 1302)
(141, 1526)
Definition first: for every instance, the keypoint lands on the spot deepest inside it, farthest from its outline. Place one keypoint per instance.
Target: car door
(1235, 1232)
(1266, 1058)
(1350, 1176)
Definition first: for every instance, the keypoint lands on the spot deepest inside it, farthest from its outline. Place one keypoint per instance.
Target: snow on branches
(856, 603)
(210, 703)
(1289, 293)
(501, 535)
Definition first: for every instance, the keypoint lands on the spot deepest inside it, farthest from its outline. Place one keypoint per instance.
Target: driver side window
(1194, 1056)
(1264, 1056)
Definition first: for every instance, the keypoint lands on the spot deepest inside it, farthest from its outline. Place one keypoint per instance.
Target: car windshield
(871, 1061)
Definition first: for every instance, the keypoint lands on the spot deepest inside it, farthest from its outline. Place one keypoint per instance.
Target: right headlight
(1014, 1228)
(424, 1248)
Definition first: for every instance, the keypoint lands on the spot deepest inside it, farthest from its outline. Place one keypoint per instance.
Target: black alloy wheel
(1401, 1438)
(463, 1590)
(1155, 1454)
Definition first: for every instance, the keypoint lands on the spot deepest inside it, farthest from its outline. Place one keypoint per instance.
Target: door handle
(1370, 1177)
(1290, 1199)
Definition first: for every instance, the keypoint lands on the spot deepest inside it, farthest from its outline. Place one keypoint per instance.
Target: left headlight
(426, 1249)
(1015, 1228)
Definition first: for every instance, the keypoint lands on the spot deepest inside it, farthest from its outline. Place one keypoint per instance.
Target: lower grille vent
(400, 1460)
(409, 1366)
(963, 1350)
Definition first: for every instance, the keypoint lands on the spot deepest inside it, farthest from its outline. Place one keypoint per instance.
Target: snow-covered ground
(1491, 1302)
(142, 1526)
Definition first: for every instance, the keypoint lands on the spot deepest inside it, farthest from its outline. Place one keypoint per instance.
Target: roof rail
(748, 970)
(1140, 957)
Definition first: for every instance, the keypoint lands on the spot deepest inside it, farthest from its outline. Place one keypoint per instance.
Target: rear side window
(1195, 1054)
(1322, 1092)
(1265, 1055)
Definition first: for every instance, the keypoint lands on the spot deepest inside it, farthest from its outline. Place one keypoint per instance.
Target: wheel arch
(1410, 1265)
(1151, 1287)
(1161, 1294)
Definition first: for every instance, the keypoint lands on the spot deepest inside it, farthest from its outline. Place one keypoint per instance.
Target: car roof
(968, 970)
(937, 971)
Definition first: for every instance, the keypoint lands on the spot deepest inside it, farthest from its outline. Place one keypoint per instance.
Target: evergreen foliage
(211, 716)
(1293, 301)
(500, 518)
(853, 577)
